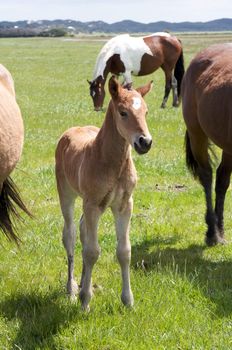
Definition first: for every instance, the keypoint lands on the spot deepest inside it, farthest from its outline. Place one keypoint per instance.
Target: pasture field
(182, 289)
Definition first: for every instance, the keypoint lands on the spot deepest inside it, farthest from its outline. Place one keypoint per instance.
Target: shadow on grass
(40, 318)
(212, 278)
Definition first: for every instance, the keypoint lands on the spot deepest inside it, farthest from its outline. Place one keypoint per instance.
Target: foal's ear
(89, 81)
(114, 87)
(143, 90)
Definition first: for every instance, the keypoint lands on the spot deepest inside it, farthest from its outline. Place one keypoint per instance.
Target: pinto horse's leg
(175, 102)
(168, 85)
(222, 184)
(127, 80)
(122, 224)
(90, 251)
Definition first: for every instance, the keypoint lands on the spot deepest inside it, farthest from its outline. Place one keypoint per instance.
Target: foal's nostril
(145, 142)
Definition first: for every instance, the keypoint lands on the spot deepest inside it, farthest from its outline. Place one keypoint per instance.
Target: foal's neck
(114, 149)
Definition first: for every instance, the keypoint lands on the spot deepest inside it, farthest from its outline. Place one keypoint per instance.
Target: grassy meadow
(182, 289)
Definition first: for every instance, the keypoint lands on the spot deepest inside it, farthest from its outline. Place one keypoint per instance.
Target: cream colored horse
(97, 165)
(11, 144)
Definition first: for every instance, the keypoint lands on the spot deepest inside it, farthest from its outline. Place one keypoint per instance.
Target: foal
(97, 165)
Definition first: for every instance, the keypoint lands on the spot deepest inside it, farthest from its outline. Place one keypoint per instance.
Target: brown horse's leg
(199, 163)
(222, 184)
(168, 85)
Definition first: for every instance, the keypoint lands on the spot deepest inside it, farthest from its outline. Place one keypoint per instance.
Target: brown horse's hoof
(212, 241)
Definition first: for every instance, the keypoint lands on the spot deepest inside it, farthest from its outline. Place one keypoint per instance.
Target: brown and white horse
(97, 166)
(207, 110)
(125, 55)
(11, 144)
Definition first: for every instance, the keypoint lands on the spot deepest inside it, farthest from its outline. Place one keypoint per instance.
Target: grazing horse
(207, 111)
(11, 144)
(97, 165)
(125, 55)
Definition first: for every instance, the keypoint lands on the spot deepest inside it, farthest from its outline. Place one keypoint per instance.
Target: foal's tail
(179, 71)
(190, 160)
(9, 199)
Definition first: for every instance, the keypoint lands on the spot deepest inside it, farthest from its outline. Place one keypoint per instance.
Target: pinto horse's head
(130, 112)
(97, 92)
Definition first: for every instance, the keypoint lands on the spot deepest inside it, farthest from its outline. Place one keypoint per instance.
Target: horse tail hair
(191, 162)
(9, 201)
(179, 71)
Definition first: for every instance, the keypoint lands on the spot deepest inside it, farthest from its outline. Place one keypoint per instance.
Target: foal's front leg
(90, 251)
(122, 225)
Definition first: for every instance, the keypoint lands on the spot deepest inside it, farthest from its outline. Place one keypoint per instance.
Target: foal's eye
(123, 114)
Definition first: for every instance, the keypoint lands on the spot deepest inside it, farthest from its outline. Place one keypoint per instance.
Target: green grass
(182, 289)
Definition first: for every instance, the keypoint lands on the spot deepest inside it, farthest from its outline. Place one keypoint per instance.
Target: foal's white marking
(136, 103)
(129, 48)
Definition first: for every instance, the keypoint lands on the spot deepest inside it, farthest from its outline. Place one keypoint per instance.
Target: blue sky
(112, 11)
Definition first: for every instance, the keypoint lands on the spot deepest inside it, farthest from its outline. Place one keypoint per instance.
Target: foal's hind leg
(90, 252)
(67, 200)
(222, 184)
(122, 224)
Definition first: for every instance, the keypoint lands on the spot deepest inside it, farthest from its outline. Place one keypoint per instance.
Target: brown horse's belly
(217, 125)
(11, 135)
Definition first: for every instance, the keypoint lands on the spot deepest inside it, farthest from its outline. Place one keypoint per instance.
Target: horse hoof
(127, 299)
(72, 288)
(212, 241)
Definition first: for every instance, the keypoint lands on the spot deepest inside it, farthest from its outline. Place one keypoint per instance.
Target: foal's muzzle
(142, 144)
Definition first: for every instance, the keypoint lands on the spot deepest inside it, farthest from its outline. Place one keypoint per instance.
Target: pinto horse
(11, 144)
(125, 55)
(97, 165)
(207, 111)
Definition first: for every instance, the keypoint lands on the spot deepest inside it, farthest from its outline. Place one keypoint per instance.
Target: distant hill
(31, 28)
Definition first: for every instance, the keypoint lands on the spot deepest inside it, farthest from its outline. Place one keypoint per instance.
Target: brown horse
(126, 55)
(207, 110)
(97, 165)
(11, 144)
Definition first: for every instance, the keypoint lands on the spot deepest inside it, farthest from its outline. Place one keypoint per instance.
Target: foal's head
(97, 92)
(130, 112)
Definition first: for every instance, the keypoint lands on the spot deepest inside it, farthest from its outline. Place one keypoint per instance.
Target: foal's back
(71, 150)
(207, 91)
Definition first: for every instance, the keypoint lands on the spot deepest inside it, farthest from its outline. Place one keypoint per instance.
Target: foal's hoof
(72, 289)
(163, 105)
(211, 241)
(127, 299)
(85, 298)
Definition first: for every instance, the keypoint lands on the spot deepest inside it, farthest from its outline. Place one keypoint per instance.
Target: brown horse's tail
(190, 160)
(179, 71)
(9, 199)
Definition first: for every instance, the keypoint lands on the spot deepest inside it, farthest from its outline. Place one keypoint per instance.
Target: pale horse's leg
(67, 200)
(127, 80)
(122, 225)
(90, 250)
(175, 102)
